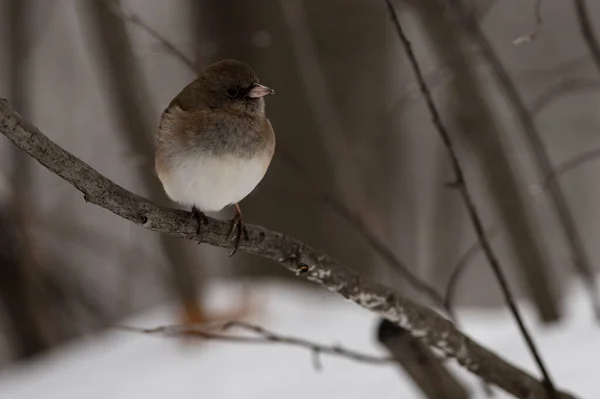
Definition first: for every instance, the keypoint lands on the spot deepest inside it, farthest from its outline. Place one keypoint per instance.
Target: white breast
(212, 183)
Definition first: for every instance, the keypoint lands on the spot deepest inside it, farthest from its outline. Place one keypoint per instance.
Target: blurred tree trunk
(448, 223)
(17, 290)
(20, 285)
(257, 33)
(474, 122)
(350, 115)
(129, 99)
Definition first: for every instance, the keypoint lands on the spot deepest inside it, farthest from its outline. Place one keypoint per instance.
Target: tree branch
(587, 30)
(461, 265)
(560, 89)
(297, 257)
(170, 47)
(261, 336)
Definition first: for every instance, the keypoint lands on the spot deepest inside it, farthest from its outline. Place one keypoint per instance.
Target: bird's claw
(201, 219)
(237, 225)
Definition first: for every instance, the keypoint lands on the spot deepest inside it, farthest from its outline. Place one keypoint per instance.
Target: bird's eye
(232, 93)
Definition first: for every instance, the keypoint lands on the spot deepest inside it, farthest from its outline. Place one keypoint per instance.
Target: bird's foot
(238, 228)
(201, 219)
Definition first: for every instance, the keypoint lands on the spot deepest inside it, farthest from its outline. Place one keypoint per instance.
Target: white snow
(122, 365)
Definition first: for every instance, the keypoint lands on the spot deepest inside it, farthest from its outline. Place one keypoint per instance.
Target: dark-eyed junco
(215, 143)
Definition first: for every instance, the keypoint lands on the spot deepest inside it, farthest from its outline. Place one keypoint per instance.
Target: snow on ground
(124, 365)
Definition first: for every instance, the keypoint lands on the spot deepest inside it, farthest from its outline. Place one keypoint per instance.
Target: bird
(214, 142)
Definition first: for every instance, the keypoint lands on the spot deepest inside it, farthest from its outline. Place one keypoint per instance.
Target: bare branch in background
(410, 96)
(260, 335)
(292, 254)
(134, 19)
(468, 200)
(573, 163)
(460, 267)
(561, 88)
(587, 31)
(558, 199)
(439, 76)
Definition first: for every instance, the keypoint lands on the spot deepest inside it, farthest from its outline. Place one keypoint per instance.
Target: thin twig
(136, 20)
(297, 257)
(462, 187)
(573, 163)
(464, 261)
(561, 88)
(587, 30)
(410, 96)
(557, 196)
(263, 336)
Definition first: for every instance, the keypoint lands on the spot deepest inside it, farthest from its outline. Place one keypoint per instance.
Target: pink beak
(259, 90)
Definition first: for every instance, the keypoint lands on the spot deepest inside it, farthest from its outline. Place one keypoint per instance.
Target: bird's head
(227, 85)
